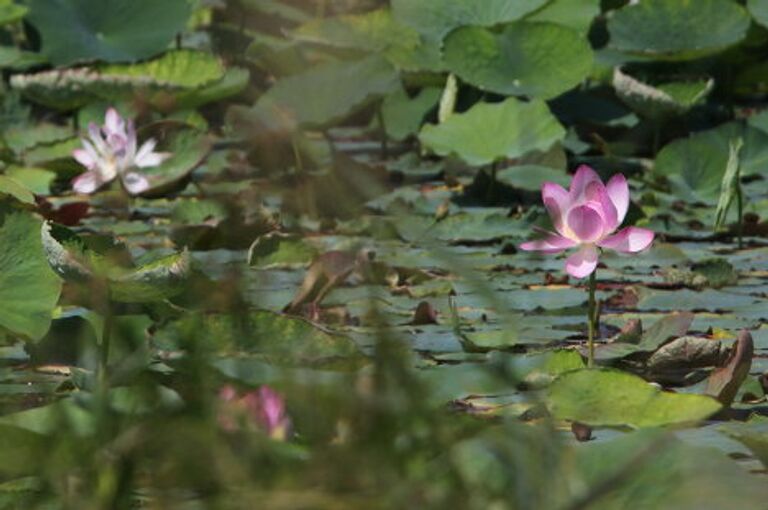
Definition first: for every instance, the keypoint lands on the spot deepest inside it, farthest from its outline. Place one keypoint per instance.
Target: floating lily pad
(661, 100)
(525, 59)
(436, 18)
(278, 338)
(576, 14)
(12, 187)
(695, 165)
(277, 250)
(669, 474)
(605, 397)
(68, 89)
(109, 30)
(74, 262)
(375, 31)
(759, 11)
(323, 94)
(753, 434)
(675, 30)
(403, 115)
(188, 148)
(29, 290)
(488, 132)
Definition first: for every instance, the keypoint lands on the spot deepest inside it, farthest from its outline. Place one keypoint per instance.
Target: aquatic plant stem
(106, 337)
(591, 319)
(297, 154)
(383, 135)
(740, 213)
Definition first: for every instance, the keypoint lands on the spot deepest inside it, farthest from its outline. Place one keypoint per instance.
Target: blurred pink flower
(586, 217)
(263, 409)
(110, 151)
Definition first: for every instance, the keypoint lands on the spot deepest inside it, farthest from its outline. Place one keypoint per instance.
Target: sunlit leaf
(605, 397)
(532, 59)
(488, 132)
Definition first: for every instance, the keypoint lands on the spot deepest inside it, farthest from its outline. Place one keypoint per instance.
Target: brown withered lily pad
(724, 382)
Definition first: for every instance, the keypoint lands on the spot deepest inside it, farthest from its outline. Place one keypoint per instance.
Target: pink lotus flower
(586, 218)
(263, 409)
(110, 151)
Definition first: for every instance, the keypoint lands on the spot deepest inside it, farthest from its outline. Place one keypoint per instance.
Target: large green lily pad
(109, 30)
(488, 132)
(525, 59)
(74, 262)
(677, 29)
(279, 338)
(696, 165)
(29, 290)
(324, 94)
(606, 397)
(436, 18)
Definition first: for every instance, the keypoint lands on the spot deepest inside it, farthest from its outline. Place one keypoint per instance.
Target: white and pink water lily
(111, 151)
(586, 217)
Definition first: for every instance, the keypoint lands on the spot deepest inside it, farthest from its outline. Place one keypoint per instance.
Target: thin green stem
(740, 212)
(383, 135)
(106, 337)
(297, 154)
(591, 319)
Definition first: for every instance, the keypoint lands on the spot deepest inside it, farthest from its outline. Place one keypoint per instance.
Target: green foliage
(11, 12)
(438, 367)
(696, 165)
(488, 132)
(281, 339)
(403, 115)
(606, 397)
(531, 59)
(75, 262)
(29, 291)
(664, 100)
(109, 30)
(173, 71)
(677, 30)
(436, 18)
(324, 94)
(188, 148)
(730, 188)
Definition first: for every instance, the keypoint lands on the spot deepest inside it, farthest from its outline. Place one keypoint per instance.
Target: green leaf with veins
(611, 398)
(489, 132)
(541, 60)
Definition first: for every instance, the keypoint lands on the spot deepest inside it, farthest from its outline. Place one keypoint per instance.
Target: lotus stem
(592, 325)
(383, 135)
(106, 337)
(740, 213)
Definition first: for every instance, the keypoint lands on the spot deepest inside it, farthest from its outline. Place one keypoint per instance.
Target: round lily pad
(525, 59)
(678, 30)
(108, 30)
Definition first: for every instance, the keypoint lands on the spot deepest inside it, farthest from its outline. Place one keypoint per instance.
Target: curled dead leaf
(724, 382)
